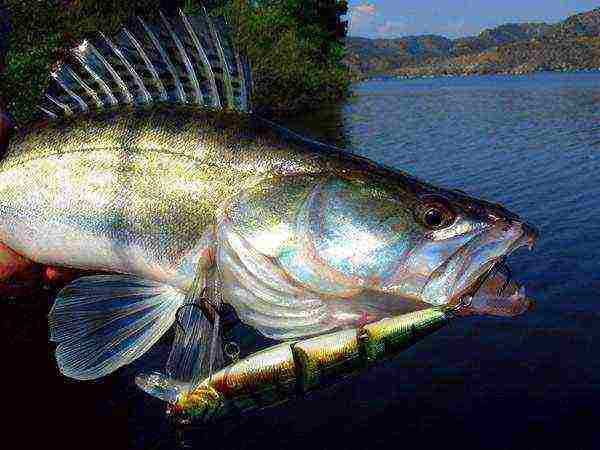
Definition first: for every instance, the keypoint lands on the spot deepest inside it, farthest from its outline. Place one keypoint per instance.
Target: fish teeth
(519, 294)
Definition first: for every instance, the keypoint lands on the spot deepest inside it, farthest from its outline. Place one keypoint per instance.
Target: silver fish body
(308, 238)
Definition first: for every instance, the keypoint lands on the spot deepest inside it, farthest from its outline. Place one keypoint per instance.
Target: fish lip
(513, 305)
(528, 238)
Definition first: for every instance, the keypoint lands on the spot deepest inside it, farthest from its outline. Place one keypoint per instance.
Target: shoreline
(382, 77)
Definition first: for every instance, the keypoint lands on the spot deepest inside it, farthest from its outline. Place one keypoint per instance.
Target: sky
(453, 18)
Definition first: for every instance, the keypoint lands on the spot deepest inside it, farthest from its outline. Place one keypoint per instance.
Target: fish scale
(160, 173)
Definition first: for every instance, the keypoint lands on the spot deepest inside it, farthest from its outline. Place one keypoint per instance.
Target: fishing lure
(294, 368)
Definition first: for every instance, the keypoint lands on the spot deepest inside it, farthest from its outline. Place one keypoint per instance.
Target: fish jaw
(498, 296)
(464, 273)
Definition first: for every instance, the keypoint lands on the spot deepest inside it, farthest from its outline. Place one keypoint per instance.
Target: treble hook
(204, 305)
(463, 302)
(232, 351)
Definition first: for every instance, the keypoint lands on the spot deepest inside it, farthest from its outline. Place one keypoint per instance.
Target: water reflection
(327, 125)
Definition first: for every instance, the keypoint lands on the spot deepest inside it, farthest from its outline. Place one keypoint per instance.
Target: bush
(294, 46)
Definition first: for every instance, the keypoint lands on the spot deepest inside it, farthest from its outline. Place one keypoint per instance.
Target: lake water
(531, 143)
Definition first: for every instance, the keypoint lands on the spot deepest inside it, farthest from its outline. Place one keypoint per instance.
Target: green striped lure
(295, 368)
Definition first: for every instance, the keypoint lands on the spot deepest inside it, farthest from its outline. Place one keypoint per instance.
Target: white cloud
(362, 15)
(366, 20)
(365, 8)
(390, 28)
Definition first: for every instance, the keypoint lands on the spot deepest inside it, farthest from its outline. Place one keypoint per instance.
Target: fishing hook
(232, 351)
(463, 302)
(467, 299)
(204, 305)
(228, 320)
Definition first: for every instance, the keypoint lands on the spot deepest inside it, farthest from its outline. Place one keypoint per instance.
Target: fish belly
(145, 213)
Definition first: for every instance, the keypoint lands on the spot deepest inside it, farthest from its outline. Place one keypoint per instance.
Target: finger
(13, 265)
(58, 275)
(6, 127)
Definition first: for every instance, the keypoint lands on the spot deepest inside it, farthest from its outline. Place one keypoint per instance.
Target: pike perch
(150, 165)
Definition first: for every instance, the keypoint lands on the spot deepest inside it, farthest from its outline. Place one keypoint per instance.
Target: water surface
(531, 143)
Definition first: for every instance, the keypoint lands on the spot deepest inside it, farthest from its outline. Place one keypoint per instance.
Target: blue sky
(453, 18)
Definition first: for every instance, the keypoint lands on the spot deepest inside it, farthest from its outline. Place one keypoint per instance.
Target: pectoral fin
(263, 296)
(104, 322)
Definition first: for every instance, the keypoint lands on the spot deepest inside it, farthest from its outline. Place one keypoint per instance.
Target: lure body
(282, 372)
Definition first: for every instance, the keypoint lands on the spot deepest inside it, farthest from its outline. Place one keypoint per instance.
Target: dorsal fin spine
(85, 87)
(186, 60)
(221, 54)
(206, 64)
(73, 95)
(242, 77)
(68, 111)
(129, 67)
(97, 78)
(163, 54)
(160, 86)
(47, 112)
(111, 69)
(179, 59)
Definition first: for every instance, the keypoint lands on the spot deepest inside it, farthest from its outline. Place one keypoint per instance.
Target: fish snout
(530, 233)
(498, 213)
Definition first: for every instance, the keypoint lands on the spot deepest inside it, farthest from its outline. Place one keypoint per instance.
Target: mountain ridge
(572, 44)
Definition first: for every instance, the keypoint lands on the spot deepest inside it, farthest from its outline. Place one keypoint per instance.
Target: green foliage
(294, 45)
(22, 91)
(295, 48)
(41, 28)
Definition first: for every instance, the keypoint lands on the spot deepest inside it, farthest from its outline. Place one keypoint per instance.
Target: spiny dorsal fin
(182, 59)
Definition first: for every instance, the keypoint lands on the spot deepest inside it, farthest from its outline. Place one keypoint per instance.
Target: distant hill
(572, 44)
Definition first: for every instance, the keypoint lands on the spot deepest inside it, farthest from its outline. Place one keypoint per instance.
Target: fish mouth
(498, 295)
(497, 268)
(478, 278)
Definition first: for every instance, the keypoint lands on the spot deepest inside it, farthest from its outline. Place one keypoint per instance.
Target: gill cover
(304, 254)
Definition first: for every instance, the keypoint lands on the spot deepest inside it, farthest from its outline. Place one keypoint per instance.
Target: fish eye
(433, 217)
(435, 214)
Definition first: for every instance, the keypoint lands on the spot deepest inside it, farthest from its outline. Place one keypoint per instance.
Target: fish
(148, 164)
